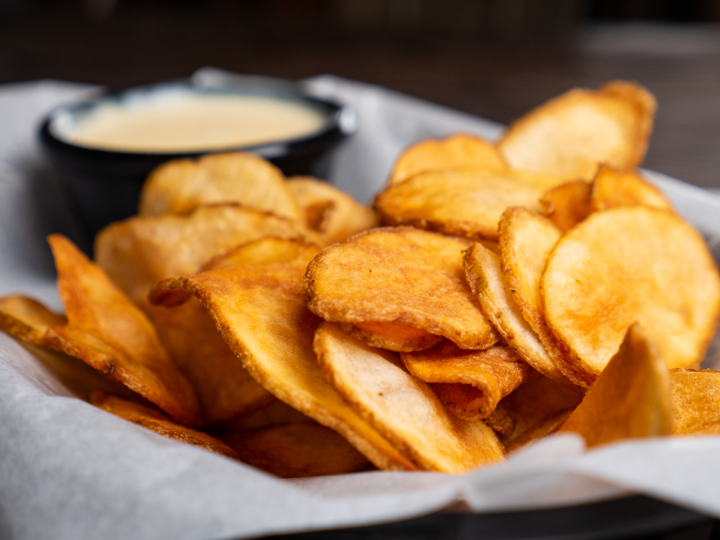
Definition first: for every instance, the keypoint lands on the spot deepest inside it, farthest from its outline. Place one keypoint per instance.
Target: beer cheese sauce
(193, 122)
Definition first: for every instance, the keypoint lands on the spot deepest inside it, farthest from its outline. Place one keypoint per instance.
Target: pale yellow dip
(190, 122)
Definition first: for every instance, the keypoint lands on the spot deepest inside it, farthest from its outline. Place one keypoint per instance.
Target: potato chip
(401, 407)
(179, 186)
(625, 265)
(259, 306)
(459, 150)
(624, 187)
(465, 203)
(568, 204)
(695, 401)
(275, 414)
(401, 276)
(27, 320)
(480, 378)
(329, 211)
(391, 336)
(487, 282)
(108, 332)
(536, 409)
(572, 134)
(526, 240)
(140, 251)
(159, 423)
(224, 387)
(297, 450)
(630, 399)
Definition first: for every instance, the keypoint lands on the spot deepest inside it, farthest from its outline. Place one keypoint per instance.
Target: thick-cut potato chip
(27, 320)
(391, 336)
(480, 379)
(403, 276)
(695, 401)
(224, 387)
(630, 399)
(482, 268)
(536, 409)
(572, 134)
(403, 408)
(624, 187)
(275, 414)
(297, 450)
(526, 240)
(459, 150)
(465, 203)
(159, 423)
(178, 186)
(329, 211)
(259, 306)
(626, 265)
(140, 251)
(108, 332)
(568, 204)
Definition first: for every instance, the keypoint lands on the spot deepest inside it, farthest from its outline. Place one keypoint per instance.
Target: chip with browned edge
(256, 299)
(108, 332)
(473, 381)
(613, 187)
(630, 399)
(567, 205)
(402, 276)
(27, 319)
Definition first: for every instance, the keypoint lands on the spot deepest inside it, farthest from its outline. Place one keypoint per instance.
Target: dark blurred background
(493, 58)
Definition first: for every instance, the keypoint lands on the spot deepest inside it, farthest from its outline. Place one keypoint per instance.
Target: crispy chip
(391, 336)
(459, 150)
(465, 203)
(487, 282)
(572, 134)
(536, 409)
(259, 306)
(568, 204)
(401, 407)
(615, 187)
(526, 240)
(27, 320)
(159, 423)
(181, 185)
(275, 414)
(695, 401)
(399, 275)
(109, 333)
(297, 450)
(481, 378)
(630, 399)
(329, 211)
(140, 251)
(625, 265)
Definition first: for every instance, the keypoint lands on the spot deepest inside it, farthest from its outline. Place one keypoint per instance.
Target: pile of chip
(515, 289)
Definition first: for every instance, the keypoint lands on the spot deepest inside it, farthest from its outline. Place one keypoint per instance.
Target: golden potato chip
(625, 265)
(275, 414)
(27, 320)
(391, 336)
(259, 306)
(624, 187)
(297, 450)
(140, 251)
(402, 408)
(568, 204)
(630, 399)
(500, 422)
(401, 276)
(537, 408)
(526, 240)
(159, 423)
(224, 387)
(329, 211)
(465, 203)
(459, 150)
(482, 268)
(480, 378)
(572, 134)
(108, 332)
(178, 186)
(695, 398)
